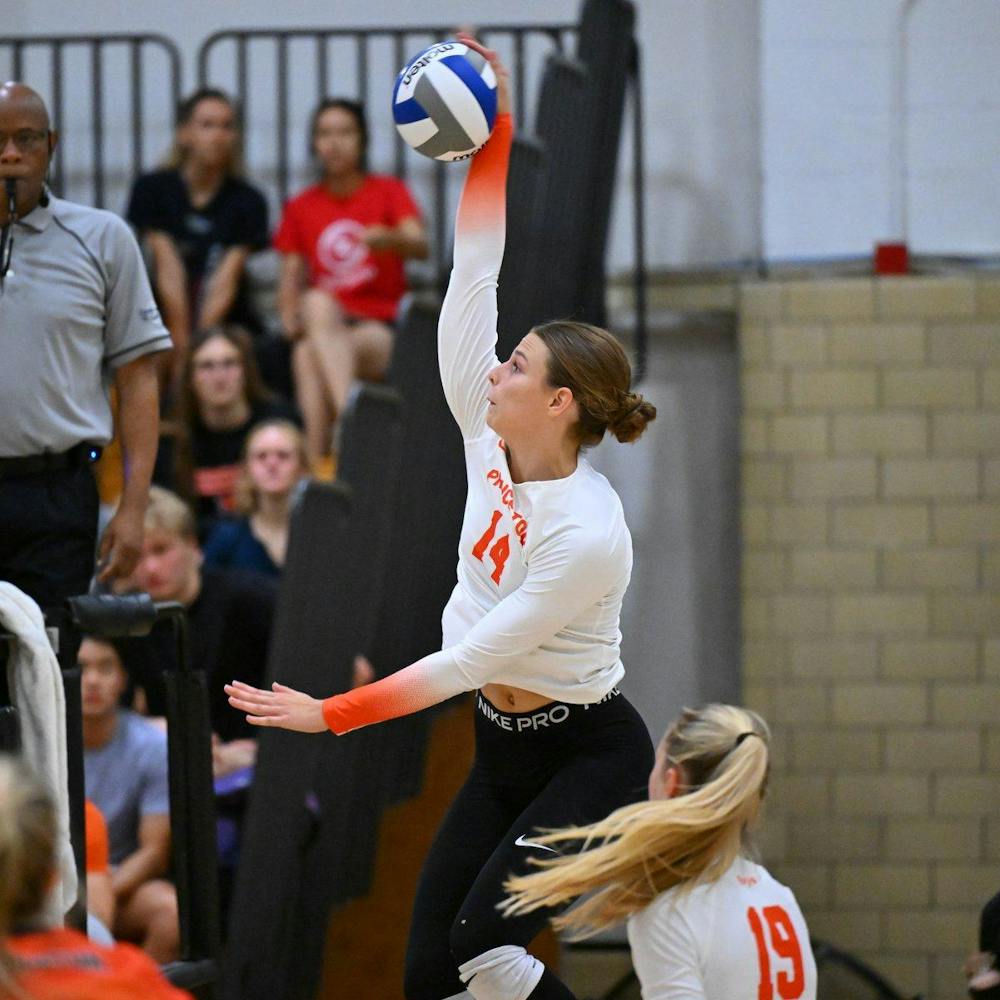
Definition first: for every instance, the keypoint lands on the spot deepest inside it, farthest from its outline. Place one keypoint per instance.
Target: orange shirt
(97, 839)
(63, 964)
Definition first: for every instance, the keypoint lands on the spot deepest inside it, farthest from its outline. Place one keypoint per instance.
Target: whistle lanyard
(7, 235)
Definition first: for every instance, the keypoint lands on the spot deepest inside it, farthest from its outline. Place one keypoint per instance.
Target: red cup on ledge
(892, 258)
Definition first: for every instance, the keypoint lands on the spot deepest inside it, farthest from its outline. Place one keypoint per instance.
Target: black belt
(20, 466)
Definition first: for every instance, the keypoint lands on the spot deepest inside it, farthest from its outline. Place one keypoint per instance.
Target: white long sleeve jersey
(742, 937)
(542, 566)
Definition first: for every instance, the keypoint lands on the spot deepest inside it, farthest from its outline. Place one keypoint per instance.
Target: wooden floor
(366, 941)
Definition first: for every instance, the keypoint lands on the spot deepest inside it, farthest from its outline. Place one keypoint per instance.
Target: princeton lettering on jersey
(495, 477)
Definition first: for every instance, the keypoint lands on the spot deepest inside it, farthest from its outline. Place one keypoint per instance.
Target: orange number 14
(499, 552)
(785, 943)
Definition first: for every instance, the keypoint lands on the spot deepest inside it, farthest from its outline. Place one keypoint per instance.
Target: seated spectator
(221, 398)
(53, 963)
(200, 221)
(125, 769)
(343, 242)
(981, 968)
(229, 615)
(100, 892)
(273, 466)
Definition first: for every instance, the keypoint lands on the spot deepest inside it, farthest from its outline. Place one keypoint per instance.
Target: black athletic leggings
(561, 765)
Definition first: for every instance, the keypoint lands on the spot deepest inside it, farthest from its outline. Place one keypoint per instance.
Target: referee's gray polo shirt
(76, 305)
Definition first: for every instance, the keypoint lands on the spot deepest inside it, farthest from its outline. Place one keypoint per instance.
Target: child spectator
(343, 243)
(200, 221)
(273, 466)
(54, 963)
(221, 398)
(125, 768)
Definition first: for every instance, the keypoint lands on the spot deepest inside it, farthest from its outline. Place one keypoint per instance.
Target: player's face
(209, 136)
(337, 142)
(25, 149)
(217, 374)
(273, 462)
(103, 678)
(519, 392)
(168, 566)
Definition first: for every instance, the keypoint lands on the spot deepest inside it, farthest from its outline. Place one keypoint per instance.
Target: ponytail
(643, 849)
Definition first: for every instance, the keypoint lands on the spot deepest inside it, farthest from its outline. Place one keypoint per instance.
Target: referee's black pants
(48, 533)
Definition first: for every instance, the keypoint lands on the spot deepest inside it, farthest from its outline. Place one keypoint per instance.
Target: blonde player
(42, 962)
(544, 560)
(704, 921)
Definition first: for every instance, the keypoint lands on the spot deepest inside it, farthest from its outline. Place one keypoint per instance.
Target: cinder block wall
(871, 600)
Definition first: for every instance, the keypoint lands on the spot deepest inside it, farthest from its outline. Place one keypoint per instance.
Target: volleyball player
(545, 558)
(704, 921)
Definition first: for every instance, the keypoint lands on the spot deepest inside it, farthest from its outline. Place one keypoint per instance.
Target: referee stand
(192, 811)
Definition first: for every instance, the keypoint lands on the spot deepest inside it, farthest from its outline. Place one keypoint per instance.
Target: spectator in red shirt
(53, 963)
(343, 243)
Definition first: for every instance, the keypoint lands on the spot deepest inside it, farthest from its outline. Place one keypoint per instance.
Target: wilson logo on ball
(445, 102)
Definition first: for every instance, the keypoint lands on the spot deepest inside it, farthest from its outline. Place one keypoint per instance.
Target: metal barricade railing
(193, 846)
(113, 83)
(114, 97)
(189, 747)
(287, 72)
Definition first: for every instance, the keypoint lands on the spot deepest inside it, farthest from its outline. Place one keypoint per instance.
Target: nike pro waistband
(555, 713)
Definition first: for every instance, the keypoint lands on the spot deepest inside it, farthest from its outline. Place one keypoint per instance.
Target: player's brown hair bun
(592, 364)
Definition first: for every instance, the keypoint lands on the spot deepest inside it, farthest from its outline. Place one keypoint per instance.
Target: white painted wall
(734, 88)
(700, 77)
(826, 89)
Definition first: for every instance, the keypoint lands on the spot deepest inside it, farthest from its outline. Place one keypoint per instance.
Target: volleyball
(445, 101)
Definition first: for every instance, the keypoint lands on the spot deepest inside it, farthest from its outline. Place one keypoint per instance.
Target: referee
(76, 315)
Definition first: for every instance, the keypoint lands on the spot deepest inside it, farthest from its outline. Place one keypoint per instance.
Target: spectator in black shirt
(229, 616)
(221, 399)
(200, 221)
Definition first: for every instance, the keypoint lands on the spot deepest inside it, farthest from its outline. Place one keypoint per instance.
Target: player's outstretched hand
(503, 77)
(281, 707)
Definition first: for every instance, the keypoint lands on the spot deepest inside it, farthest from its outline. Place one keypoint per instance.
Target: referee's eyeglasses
(26, 140)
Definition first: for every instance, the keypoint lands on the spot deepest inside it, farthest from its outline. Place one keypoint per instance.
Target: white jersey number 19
(784, 942)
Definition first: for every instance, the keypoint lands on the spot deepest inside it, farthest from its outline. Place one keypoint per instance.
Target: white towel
(36, 687)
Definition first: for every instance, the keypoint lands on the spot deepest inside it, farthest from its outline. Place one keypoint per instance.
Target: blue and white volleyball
(445, 102)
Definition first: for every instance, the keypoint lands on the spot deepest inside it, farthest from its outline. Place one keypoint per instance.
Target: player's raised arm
(467, 330)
